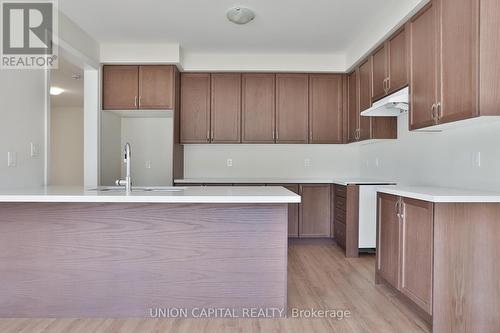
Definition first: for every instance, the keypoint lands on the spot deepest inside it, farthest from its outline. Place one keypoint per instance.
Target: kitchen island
(69, 252)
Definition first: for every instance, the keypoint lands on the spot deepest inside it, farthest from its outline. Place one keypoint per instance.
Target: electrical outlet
(148, 164)
(34, 150)
(377, 162)
(476, 159)
(229, 162)
(11, 159)
(307, 162)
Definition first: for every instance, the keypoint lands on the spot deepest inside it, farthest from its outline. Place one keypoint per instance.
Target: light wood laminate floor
(319, 276)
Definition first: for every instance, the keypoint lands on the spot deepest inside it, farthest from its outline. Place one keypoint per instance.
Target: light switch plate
(307, 162)
(229, 162)
(34, 150)
(11, 159)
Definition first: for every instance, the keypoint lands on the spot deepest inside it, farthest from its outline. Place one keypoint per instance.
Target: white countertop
(442, 194)
(197, 194)
(338, 181)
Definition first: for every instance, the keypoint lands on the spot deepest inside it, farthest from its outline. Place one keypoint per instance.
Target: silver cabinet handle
(439, 114)
(212, 135)
(277, 135)
(140, 98)
(433, 112)
(208, 135)
(357, 134)
(135, 101)
(274, 135)
(388, 84)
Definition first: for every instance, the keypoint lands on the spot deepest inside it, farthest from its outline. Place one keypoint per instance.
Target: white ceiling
(73, 89)
(200, 26)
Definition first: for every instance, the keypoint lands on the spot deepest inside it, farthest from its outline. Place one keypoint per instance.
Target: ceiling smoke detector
(240, 15)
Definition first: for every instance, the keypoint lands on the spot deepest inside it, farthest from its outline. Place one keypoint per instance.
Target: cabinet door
(314, 210)
(388, 239)
(195, 108)
(292, 102)
(379, 63)
(423, 67)
(352, 107)
(416, 252)
(293, 211)
(120, 87)
(226, 108)
(459, 63)
(325, 108)
(258, 116)
(156, 87)
(397, 61)
(364, 90)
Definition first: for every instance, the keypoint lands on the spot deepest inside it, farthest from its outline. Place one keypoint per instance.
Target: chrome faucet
(127, 182)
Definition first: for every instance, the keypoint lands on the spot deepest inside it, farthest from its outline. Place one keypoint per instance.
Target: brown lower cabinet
(315, 219)
(312, 218)
(346, 218)
(443, 259)
(404, 247)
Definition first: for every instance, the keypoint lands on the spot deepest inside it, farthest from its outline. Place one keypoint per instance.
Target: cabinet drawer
(340, 216)
(340, 237)
(341, 191)
(340, 203)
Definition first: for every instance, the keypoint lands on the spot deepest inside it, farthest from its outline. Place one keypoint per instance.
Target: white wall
(66, 151)
(110, 148)
(281, 161)
(152, 145)
(150, 140)
(22, 121)
(439, 159)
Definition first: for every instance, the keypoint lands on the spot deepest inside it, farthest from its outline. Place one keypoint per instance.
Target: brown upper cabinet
(120, 87)
(423, 67)
(390, 65)
(195, 108)
(258, 108)
(225, 120)
(292, 102)
(353, 115)
(138, 87)
(365, 100)
(453, 65)
(325, 108)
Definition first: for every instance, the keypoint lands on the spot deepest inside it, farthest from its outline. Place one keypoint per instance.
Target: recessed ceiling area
(344, 28)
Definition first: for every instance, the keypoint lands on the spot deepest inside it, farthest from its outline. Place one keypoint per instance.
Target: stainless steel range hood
(390, 106)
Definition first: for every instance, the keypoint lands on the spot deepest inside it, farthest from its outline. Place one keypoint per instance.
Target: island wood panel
(225, 120)
(119, 260)
(325, 108)
(120, 87)
(466, 290)
(292, 103)
(156, 87)
(258, 108)
(195, 108)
